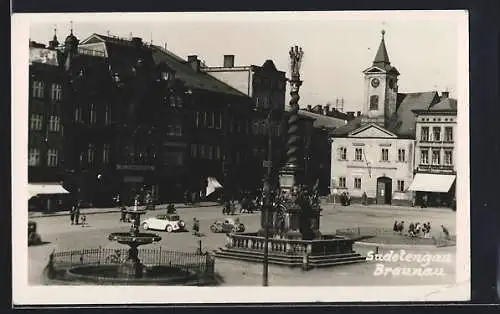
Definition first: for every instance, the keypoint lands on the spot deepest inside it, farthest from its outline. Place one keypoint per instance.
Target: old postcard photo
(240, 157)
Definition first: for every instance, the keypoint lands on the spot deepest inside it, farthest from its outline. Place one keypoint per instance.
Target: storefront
(136, 180)
(433, 190)
(46, 197)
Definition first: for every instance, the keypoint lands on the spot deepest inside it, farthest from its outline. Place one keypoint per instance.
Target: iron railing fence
(193, 262)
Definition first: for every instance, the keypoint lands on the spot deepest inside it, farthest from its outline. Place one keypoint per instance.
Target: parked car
(33, 237)
(226, 226)
(164, 222)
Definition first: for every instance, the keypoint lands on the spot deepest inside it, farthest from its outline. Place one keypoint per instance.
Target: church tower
(381, 88)
(54, 43)
(70, 49)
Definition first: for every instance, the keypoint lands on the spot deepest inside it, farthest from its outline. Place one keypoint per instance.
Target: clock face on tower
(375, 82)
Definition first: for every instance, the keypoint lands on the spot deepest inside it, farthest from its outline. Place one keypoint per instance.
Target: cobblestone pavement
(60, 235)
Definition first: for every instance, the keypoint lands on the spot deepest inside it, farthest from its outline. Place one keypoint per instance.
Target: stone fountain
(106, 266)
(290, 222)
(132, 265)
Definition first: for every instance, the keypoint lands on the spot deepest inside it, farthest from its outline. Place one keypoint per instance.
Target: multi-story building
(266, 86)
(435, 154)
(45, 137)
(374, 153)
(139, 118)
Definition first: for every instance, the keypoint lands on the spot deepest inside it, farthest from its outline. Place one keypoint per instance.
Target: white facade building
(375, 152)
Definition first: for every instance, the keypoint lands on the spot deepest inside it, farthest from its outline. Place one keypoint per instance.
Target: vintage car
(227, 226)
(164, 222)
(33, 237)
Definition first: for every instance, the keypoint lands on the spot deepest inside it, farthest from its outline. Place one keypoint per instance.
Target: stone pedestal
(132, 267)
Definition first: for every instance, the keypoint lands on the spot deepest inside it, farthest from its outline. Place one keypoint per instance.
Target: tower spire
(54, 43)
(382, 57)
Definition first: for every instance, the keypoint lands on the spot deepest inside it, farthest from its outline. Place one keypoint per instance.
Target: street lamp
(267, 202)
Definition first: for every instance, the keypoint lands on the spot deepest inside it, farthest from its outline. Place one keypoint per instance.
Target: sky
(337, 46)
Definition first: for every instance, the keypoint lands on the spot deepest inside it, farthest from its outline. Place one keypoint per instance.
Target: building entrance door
(384, 190)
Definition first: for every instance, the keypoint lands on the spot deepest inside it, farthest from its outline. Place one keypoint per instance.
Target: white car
(164, 222)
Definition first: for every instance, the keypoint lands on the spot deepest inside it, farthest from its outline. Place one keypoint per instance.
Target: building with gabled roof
(373, 154)
(169, 119)
(436, 153)
(136, 119)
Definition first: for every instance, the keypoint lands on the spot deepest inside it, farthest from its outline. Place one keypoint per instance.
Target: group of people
(229, 207)
(345, 199)
(416, 229)
(75, 216)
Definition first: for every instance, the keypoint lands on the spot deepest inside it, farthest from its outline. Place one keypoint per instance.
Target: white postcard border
(23, 294)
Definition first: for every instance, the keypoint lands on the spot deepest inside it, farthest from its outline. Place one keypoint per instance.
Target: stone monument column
(290, 174)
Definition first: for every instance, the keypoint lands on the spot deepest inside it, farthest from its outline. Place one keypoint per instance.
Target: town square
(160, 154)
(61, 235)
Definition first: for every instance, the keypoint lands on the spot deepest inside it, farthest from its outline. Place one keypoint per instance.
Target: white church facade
(374, 154)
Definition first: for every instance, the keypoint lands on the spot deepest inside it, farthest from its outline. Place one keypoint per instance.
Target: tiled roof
(190, 77)
(122, 54)
(347, 128)
(321, 121)
(403, 121)
(446, 104)
(382, 57)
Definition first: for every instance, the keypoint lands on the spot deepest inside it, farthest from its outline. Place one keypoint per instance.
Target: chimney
(445, 95)
(320, 109)
(228, 61)
(194, 62)
(358, 114)
(309, 108)
(165, 46)
(137, 41)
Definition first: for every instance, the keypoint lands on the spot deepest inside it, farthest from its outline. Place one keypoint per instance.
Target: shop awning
(35, 189)
(427, 182)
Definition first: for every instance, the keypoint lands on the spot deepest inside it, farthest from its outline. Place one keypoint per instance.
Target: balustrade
(292, 247)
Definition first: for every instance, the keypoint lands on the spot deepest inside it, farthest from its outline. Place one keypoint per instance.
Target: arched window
(374, 102)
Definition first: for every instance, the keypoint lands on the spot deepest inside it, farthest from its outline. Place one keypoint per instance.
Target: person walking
(72, 214)
(364, 199)
(196, 226)
(77, 213)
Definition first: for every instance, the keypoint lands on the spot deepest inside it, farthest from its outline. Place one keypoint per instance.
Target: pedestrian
(364, 199)
(424, 201)
(77, 213)
(84, 220)
(196, 226)
(117, 200)
(123, 214)
(72, 214)
(446, 232)
(171, 209)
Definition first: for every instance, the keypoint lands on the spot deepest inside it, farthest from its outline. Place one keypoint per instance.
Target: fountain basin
(158, 267)
(112, 274)
(137, 239)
